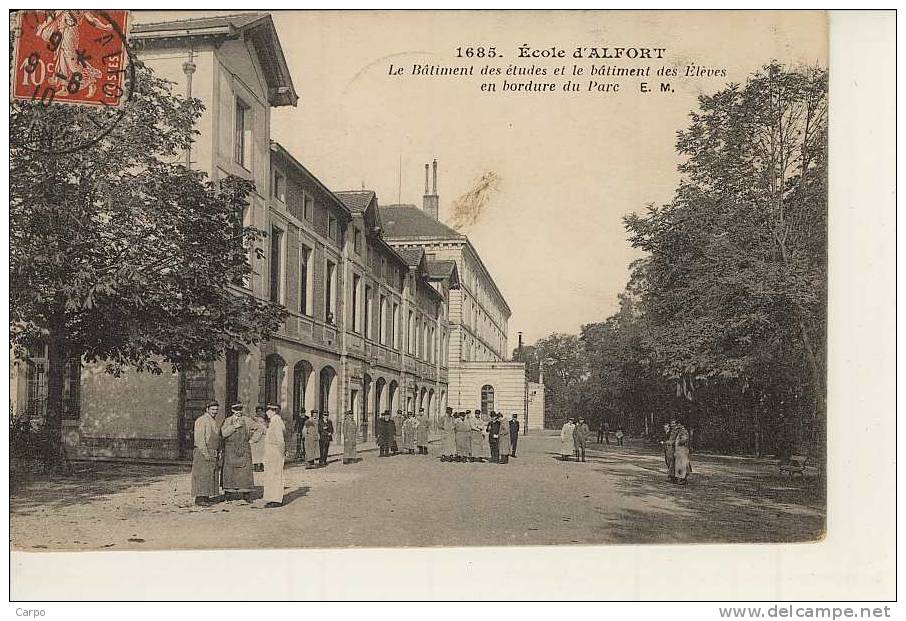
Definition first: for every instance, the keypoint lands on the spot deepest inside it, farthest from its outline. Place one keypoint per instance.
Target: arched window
(487, 398)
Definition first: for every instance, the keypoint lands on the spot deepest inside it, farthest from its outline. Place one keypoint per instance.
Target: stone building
(377, 319)
(479, 373)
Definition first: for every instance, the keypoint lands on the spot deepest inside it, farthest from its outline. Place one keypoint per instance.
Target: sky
(570, 165)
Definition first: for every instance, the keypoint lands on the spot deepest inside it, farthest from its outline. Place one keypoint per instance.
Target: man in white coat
(274, 456)
(567, 442)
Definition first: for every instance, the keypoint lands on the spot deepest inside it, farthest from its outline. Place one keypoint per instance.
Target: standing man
(682, 466)
(350, 431)
(514, 433)
(398, 421)
(480, 448)
(448, 448)
(409, 426)
(421, 432)
(325, 436)
(205, 486)
(258, 429)
(463, 431)
(237, 455)
(606, 432)
(493, 430)
(299, 420)
(600, 426)
(312, 439)
(567, 440)
(504, 439)
(274, 457)
(670, 449)
(385, 434)
(580, 438)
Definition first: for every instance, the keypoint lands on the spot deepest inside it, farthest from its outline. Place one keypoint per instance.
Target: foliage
(120, 254)
(724, 319)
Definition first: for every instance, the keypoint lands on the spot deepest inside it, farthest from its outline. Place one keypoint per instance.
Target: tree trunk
(53, 417)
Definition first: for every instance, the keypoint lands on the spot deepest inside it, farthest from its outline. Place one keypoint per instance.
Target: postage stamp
(70, 57)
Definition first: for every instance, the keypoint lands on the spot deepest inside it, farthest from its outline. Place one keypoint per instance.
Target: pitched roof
(444, 270)
(408, 221)
(297, 167)
(234, 21)
(356, 200)
(412, 256)
(262, 34)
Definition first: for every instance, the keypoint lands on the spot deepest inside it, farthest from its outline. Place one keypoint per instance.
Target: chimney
(430, 202)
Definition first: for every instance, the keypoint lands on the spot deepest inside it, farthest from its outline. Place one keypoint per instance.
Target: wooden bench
(796, 465)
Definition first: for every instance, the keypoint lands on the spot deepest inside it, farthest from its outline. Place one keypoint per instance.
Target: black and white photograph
(286, 279)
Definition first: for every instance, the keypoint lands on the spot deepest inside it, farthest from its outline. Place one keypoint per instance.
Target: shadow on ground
(726, 500)
(87, 483)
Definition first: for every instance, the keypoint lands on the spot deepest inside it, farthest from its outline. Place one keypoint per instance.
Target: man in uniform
(493, 430)
(205, 486)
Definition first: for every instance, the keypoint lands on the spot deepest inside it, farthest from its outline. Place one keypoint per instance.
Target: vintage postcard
(394, 279)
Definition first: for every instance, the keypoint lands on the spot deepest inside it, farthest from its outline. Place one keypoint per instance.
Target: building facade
(376, 321)
(479, 373)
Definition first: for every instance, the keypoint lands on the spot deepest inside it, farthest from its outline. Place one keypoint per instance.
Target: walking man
(325, 436)
(670, 449)
(237, 455)
(514, 433)
(205, 486)
(274, 457)
(421, 432)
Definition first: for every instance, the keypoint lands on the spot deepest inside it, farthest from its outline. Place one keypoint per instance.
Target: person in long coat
(567, 440)
(463, 434)
(386, 430)
(312, 439)
(421, 432)
(448, 447)
(398, 421)
(670, 450)
(350, 432)
(481, 450)
(237, 454)
(299, 431)
(493, 430)
(325, 436)
(274, 458)
(256, 442)
(409, 431)
(505, 446)
(682, 465)
(580, 439)
(205, 486)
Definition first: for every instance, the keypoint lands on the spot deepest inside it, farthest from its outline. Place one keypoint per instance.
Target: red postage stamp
(70, 56)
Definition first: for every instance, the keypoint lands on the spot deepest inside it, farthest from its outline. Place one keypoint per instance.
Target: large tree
(736, 270)
(119, 254)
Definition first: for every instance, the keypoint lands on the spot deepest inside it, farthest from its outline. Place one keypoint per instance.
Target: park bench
(796, 465)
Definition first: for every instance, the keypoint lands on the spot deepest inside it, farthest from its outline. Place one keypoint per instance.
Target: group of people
(574, 439)
(238, 454)
(403, 433)
(478, 436)
(604, 433)
(676, 451)
(314, 433)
